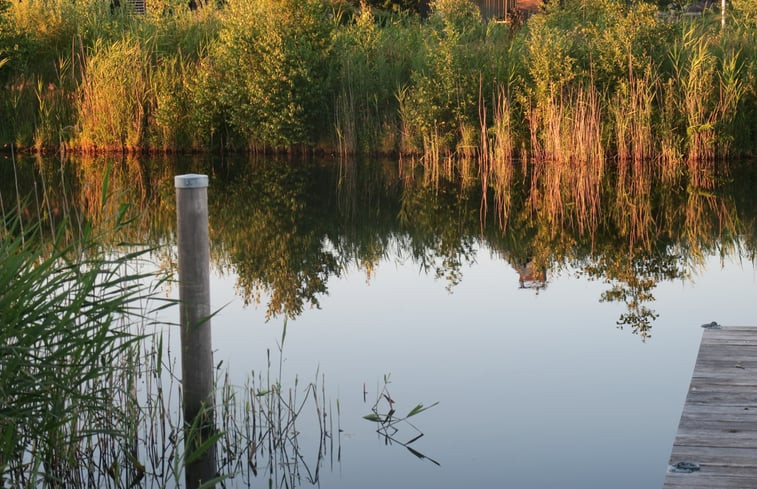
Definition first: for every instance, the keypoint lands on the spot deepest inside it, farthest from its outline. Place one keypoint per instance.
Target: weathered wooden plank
(692, 424)
(723, 469)
(730, 340)
(728, 337)
(706, 455)
(724, 354)
(714, 377)
(721, 383)
(716, 439)
(718, 427)
(733, 331)
(725, 413)
(733, 398)
(727, 365)
(710, 482)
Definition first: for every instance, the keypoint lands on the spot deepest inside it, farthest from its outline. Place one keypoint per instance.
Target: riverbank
(575, 83)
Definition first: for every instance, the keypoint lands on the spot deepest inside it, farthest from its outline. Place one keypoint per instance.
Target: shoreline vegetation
(575, 84)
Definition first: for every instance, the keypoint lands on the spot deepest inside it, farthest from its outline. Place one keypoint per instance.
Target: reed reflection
(284, 229)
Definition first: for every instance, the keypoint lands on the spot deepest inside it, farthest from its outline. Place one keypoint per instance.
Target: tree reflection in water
(285, 228)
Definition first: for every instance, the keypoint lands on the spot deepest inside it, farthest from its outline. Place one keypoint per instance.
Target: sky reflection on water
(535, 390)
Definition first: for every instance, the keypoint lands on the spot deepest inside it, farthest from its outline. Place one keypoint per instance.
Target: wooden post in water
(194, 297)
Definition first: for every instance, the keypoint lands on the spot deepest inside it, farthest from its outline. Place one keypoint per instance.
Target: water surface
(556, 324)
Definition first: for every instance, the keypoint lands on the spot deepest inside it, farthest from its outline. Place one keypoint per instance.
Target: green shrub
(445, 89)
(594, 42)
(274, 59)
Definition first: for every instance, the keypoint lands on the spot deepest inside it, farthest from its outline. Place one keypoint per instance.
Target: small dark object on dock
(684, 467)
(712, 325)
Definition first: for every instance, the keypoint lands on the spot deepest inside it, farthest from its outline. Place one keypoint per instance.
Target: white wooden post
(194, 297)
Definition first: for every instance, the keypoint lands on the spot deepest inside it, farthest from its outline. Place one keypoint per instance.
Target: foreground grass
(66, 308)
(88, 384)
(577, 82)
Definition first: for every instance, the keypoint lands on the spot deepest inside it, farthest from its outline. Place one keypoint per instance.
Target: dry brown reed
(484, 153)
(708, 218)
(433, 155)
(503, 144)
(467, 146)
(633, 110)
(114, 100)
(496, 155)
(571, 156)
(501, 157)
(632, 212)
(671, 157)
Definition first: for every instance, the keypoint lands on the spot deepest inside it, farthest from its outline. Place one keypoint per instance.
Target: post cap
(191, 180)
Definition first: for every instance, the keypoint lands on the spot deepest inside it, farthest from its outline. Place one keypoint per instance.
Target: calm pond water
(556, 326)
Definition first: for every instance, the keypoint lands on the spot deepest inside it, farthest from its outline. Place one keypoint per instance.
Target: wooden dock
(717, 435)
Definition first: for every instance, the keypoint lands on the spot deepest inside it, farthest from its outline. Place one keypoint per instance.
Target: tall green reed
(66, 309)
(114, 100)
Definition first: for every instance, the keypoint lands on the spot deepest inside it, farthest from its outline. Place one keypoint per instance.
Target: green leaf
(419, 409)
